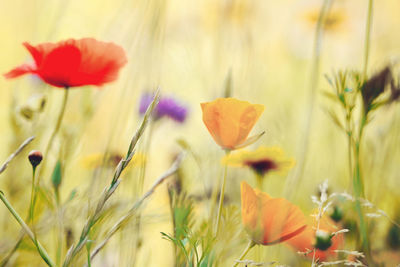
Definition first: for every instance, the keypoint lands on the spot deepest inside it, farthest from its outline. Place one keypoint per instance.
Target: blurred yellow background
(187, 48)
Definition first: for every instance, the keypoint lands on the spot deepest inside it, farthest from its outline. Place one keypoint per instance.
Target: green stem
(33, 196)
(29, 219)
(294, 180)
(259, 180)
(349, 133)
(358, 185)
(58, 123)
(89, 262)
(60, 227)
(221, 197)
(367, 38)
(43, 253)
(246, 250)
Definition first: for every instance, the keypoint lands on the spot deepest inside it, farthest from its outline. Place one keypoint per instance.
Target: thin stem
(89, 261)
(109, 190)
(142, 177)
(367, 38)
(33, 196)
(13, 155)
(124, 219)
(259, 180)
(43, 253)
(221, 197)
(246, 250)
(315, 71)
(58, 123)
(358, 187)
(349, 134)
(317, 229)
(60, 227)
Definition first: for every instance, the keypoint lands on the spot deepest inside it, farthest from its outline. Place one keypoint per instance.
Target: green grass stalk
(221, 197)
(244, 253)
(43, 253)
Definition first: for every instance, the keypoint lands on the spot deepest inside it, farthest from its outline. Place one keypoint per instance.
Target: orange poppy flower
(306, 241)
(269, 220)
(230, 121)
(73, 62)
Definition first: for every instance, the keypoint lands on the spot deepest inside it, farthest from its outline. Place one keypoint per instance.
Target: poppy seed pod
(35, 157)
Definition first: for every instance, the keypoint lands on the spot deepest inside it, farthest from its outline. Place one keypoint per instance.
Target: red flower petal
(74, 63)
(18, 71)
(60, 65)
(100, 62)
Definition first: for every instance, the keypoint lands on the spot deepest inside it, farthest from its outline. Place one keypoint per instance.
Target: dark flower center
(262, 166)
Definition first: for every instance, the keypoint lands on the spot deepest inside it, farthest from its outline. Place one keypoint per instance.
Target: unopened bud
(337, 214)
(323, 240)
(35, 157)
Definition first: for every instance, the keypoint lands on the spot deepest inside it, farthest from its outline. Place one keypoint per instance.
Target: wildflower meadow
(200, 133)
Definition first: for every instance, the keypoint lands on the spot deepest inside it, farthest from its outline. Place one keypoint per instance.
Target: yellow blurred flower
(269, 220)
(110, 160)
(335, 20)
(262, 161)
(235, 12)
(230, 120)
(341, 26)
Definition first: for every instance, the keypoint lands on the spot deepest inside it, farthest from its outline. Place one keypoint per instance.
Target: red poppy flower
(73, 62)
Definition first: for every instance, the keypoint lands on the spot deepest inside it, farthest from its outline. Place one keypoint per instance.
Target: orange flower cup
(230, 120)
(269, 220)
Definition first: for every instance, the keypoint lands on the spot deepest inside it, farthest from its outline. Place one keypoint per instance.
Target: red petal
(100, 62)
(74, 62)
(18, 71)
(60, 65)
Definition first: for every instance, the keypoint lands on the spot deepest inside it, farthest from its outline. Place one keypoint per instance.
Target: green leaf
(56, 176)
(335, 119)
(330, 96)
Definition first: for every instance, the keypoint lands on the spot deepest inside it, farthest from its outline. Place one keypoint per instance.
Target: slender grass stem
(13, 155)
(294, 180)
(124, 219)
(349, 133)
(33, 197)
(43, 253)
(367, 38)
(221, 197)
(109, 190)
(259, 180)
(358, 187)
(60, 227)
(246, 250)
(89, 261)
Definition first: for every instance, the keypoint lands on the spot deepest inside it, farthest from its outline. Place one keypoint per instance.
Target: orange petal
(229, 120)
(281, 220)
(269, 220)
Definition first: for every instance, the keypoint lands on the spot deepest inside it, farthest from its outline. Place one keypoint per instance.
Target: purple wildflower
(167, 107)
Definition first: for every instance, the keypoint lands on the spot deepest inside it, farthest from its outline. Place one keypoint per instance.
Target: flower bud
(35, 157)
(337, 214)
(323, 240)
